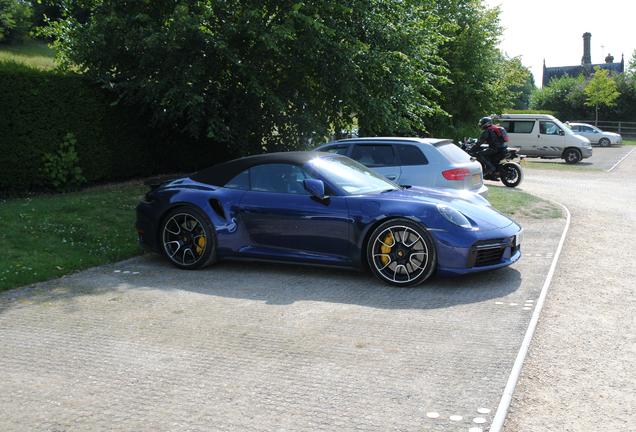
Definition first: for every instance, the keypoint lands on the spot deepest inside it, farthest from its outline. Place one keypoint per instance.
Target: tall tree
(263, 74)
(601, 90)
(15, 20)
(480, 75)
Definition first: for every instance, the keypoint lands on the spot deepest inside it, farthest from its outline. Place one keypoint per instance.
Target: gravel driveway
(579, 374)
(142, 346)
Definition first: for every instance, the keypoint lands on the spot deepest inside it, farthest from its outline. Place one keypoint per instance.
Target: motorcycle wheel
(511, 174)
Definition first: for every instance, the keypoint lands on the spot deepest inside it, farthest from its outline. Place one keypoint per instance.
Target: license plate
(523, 162)
(476, 178)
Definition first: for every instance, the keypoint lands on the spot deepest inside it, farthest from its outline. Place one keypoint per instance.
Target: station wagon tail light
(457, 174)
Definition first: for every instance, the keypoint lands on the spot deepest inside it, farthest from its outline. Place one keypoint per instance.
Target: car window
(373, 155)
(281, 178)
(549, 128)
(340, 149)
(453, 153)
(517, 126)
(241, 181)
(587, 129)
(411, 155)
(576, 128)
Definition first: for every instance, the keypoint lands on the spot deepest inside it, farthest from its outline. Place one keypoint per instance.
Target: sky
(553, 30)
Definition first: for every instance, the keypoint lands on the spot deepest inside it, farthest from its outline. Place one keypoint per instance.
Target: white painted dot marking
(135, 272)
(432, 415)
(127, 271)
(117, 271)
(483, 410)
(479, 420)
(456, 418)
(513, 304)
(527, 308)
(498, 302)
(529, 301)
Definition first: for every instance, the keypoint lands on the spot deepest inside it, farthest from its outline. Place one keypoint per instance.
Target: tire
(572, 156)
(604, 142)
(188, 239)
(401, 253)
(511, 174)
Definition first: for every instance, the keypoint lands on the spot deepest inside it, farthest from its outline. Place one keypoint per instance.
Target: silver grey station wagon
(427, 162)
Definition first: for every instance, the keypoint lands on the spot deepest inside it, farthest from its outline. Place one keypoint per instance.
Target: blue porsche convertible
(323, 209)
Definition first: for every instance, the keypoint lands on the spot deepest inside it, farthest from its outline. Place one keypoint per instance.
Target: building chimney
(587, 56)
(609, 59)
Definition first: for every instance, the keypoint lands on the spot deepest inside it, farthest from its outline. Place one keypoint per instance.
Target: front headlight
(453, 216)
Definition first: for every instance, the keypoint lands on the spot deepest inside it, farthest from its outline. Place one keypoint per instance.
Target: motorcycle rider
(495, 137)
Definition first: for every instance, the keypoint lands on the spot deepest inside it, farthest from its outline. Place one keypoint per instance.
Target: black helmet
(485, 122)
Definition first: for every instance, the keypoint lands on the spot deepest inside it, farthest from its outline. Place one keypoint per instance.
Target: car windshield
(563, 127)
(352, 177)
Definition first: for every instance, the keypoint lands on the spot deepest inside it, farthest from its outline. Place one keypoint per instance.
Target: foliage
(570, 97)
(631, 65)
(62, 167)
(600, 90)
(15, 20)
(262, 74)
(114, 142)
(523, 93)
(556, 97)
(481, 77)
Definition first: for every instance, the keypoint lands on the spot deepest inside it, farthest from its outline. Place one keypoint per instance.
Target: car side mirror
(316, 188)
(561, 132)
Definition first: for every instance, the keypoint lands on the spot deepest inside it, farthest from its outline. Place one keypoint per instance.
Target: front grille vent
(487, 252)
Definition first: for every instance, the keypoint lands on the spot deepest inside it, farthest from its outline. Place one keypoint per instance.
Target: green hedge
(38, 109)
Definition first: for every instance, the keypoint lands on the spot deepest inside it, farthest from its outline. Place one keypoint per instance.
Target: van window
(549, 128)
(517, 126)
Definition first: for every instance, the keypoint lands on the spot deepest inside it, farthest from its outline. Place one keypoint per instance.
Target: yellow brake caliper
(388, 240)
(201, 244)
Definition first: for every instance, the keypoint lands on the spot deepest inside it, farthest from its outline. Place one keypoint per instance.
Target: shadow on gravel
(273, 284)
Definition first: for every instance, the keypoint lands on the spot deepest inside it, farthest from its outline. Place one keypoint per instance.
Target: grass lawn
(34, 53)
(51, 236)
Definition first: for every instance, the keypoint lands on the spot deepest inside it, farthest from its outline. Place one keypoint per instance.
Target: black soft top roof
(219, 175)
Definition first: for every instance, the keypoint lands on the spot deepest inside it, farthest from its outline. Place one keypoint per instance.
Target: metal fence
(626, 129)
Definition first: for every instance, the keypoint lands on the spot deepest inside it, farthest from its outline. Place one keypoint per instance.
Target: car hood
(470, 204)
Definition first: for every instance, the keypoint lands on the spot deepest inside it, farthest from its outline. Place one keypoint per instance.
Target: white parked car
(595, 135)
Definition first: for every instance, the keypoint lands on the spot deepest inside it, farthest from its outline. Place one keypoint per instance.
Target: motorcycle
(506, 170)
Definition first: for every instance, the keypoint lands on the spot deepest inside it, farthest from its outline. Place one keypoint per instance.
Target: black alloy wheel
(188, 239)
(401, 252)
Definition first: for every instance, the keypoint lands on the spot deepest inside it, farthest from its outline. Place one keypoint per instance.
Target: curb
(504, 405)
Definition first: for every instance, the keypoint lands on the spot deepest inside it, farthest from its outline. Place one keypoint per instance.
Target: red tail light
(457, 174)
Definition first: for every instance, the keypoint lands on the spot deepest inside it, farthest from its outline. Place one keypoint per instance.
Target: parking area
(258, 347)
(603, 158)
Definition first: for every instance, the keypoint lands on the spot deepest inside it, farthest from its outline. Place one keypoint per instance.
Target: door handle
(250, 209)
(391, 176)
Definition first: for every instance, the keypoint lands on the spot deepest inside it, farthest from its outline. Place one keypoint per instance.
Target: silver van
(544, 136)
